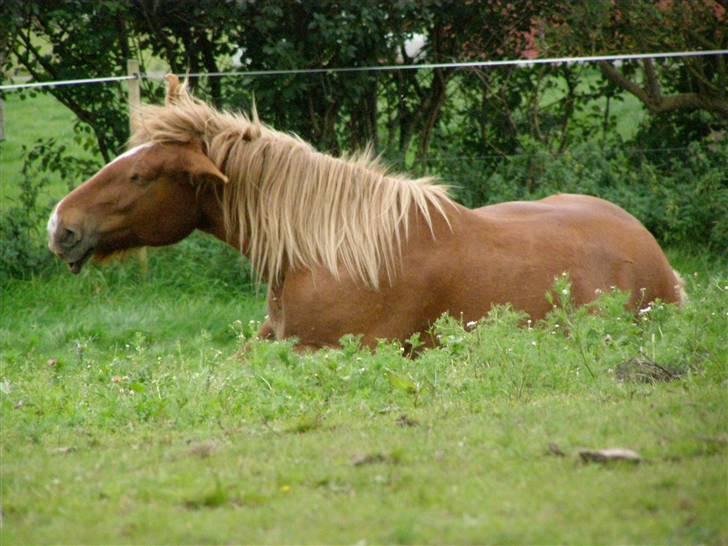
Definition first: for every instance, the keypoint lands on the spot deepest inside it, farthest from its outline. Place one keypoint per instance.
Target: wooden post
(2, 120)
(134, 87)
(3, 54)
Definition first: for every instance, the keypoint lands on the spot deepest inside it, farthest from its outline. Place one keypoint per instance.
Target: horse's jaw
(76, 259)
(76, 265)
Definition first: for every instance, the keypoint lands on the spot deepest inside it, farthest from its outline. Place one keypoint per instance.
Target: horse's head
(147, 196)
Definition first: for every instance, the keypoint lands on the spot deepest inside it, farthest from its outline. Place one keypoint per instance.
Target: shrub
(680, 197)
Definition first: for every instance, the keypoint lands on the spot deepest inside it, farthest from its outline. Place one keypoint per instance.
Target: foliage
(680, 195)
(21, 254)
(335, 111)
(604, 26)
(391, 110)
(82, 43)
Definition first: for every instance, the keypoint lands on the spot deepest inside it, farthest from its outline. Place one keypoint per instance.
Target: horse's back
(600, 244)
(564, 206)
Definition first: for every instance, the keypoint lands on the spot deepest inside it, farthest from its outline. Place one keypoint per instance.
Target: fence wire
(380, 68)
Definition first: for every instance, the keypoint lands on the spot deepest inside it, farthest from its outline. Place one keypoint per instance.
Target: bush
(680, 197)
(23, 251)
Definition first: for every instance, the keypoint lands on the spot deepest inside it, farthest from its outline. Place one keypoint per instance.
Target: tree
(54, 41)
(68, 39)
(607, 26)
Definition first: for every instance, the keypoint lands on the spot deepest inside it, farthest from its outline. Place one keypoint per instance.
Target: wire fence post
(133, 86)
(3, 56)
(134, 101)
(2, 120)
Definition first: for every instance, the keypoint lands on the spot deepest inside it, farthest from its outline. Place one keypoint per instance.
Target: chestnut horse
(345, 246)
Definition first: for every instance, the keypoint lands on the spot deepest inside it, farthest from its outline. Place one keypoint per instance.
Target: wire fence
(135, 76)
(379, 68)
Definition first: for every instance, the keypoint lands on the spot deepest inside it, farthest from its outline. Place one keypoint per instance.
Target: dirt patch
(405, 421)
(362, 459)
(611, 455)
(641, 369)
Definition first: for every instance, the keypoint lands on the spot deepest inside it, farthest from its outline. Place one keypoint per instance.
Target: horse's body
(345, 247)
(507, 253)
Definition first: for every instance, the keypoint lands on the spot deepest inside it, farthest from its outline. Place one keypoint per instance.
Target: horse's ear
(202, 169)
(175, 89)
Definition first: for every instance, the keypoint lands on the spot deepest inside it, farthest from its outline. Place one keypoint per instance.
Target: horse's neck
(426, 218)
(211, 219)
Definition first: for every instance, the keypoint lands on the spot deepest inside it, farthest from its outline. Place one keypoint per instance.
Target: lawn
(139, 411)
(137, 408)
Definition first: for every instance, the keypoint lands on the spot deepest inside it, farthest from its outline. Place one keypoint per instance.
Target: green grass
(130, 415)
(26, 121)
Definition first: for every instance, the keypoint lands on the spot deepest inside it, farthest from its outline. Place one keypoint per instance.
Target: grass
(131, 415)
(27, 120)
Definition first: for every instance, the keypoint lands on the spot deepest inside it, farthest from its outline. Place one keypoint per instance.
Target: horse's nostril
(69, 237)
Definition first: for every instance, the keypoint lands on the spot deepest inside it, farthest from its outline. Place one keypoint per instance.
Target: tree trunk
(652, 97)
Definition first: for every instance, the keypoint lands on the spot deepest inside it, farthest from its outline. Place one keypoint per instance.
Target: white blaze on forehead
(134, 150)
(53, 220)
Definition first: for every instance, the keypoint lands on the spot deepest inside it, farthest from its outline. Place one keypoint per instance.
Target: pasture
(136, 408)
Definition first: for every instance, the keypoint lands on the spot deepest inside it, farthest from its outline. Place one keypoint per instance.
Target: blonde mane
(293, 206)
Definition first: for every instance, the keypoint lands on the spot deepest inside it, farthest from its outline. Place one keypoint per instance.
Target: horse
(345, 245)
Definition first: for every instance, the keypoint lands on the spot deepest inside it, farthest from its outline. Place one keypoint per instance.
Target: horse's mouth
(76, 265)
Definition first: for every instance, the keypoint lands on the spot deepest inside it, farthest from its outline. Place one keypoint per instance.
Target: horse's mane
(292, 205)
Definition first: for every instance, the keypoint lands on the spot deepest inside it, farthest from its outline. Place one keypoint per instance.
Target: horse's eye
(137, 179)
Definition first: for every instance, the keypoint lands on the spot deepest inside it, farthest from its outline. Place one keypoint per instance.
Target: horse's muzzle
(69, 243)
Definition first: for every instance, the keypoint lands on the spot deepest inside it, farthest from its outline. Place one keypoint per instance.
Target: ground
(132, 413)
